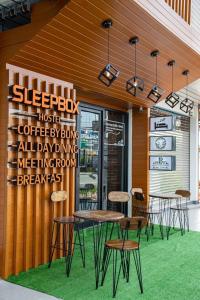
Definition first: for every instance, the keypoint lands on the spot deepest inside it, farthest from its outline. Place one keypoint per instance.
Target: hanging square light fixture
(172, 99)
(156, 92)
(109, 73)
(135, 84)
(186, 105)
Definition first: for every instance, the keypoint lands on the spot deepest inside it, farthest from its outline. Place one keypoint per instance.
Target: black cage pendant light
(135, 83)
(156, 91)
(172, 99)
(186, 105)
(109, 73)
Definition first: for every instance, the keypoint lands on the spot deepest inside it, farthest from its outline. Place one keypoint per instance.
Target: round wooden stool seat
(119, 244)
(65, 220)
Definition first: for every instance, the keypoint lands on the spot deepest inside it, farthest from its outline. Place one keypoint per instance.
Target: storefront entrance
(102, 157)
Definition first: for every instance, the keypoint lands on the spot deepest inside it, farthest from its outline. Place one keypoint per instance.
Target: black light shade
(186, 105)
(172, 99)
(155, 94)
(134, 84)
(108, 74)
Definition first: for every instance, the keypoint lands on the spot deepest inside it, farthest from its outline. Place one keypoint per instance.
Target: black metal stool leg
(69, 255)
(82, 244)
(136, 255)
(98, 244)
(180, 221)
(115, 275)
(51, 252)
(105, 264)
(187, 220)
(161, 225)
(169, 222)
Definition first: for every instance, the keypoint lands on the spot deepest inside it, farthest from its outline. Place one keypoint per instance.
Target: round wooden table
(101, 233)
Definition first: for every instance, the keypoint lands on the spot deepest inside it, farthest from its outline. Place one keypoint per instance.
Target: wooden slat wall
(140, 156)
(28, 216)
(3, 159)
(181, 7)
(73, 47)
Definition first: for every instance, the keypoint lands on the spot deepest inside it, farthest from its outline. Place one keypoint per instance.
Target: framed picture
(162, 143)
(162, 163)
(161, 123)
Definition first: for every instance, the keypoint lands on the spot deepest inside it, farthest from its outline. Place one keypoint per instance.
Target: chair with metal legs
(122, 248)
(65, 227)
(180, 212)
(120, 197)
(150, 212)
(116, 197)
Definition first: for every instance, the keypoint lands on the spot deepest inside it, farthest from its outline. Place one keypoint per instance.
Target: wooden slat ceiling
(73, 47)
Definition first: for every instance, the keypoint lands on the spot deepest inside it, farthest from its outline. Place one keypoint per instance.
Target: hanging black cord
(135, 58)
(172, 77)
(156, 70)
(187, 86)
(108, 45)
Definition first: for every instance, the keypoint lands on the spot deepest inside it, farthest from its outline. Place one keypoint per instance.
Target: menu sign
(114, 133)
(161, 123)
(162, 163)
(162, 143)
(57, 138)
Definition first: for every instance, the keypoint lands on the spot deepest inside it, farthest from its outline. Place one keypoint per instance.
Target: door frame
(102, 111)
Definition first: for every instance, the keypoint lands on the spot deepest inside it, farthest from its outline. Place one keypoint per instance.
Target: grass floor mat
(171, 271)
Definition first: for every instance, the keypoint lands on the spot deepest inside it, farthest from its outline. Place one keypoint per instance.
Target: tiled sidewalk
(10, 291)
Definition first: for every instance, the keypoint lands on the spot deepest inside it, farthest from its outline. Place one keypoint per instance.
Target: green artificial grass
(171, 271)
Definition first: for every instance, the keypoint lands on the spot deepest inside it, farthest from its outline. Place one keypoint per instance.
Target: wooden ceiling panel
(73, 47)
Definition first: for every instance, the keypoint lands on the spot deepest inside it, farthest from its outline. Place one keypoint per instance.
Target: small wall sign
(161, 123)
(114, 133)
(162, 143)
(162, 163)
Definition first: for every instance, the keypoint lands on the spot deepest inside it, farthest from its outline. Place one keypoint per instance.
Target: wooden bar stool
(66, 226)
(180, 211)
(151, 213)
(124, 247)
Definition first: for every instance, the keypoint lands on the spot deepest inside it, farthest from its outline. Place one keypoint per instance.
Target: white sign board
(162, 163)
(162, 143)
(161, 123)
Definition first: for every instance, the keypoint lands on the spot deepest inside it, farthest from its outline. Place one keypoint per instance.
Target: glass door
(89, 175)
(103, 152)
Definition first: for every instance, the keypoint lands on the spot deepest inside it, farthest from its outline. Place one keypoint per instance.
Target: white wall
(194, 157)
(194, 138)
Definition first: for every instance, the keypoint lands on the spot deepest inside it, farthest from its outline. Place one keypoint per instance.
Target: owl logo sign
(162, 143)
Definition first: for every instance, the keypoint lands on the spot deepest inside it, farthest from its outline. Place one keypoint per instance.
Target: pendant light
(172, 99)
(135, 83)
(186, 105)
(109, 73)
(156, 91)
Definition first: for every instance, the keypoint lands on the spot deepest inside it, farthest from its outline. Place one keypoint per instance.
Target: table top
(99, 215)
(165, 196)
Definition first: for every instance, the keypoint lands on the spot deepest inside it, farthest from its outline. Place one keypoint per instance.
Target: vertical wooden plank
(5, 262)
(28, 213)
(19, 206)
(37, 208)
(140, 150)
